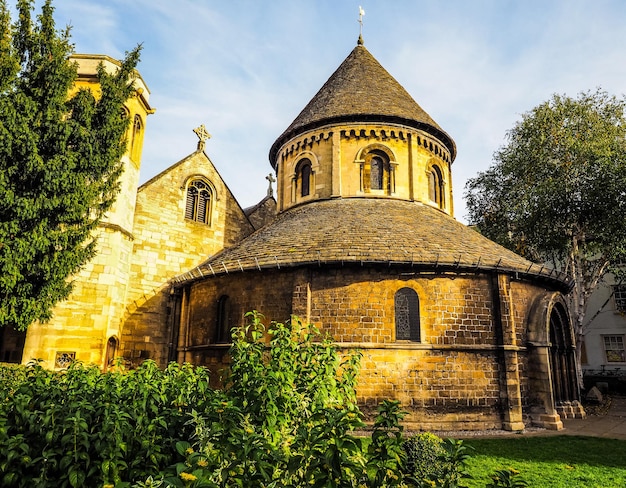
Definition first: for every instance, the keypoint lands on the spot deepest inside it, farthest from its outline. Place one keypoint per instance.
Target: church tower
(363, 136)
(86, 327)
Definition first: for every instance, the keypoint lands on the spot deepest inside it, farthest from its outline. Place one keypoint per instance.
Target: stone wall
(467, 371)
(166, 244)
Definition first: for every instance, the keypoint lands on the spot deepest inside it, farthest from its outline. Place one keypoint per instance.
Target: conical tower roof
(361, 90)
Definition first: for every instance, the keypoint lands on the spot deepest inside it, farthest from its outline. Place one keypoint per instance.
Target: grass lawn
(554, 461)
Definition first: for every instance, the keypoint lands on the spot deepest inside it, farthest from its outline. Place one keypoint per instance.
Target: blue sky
(245, 68)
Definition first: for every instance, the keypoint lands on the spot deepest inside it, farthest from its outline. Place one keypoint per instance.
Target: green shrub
(80, 427)
(286, 418)
(507, 478)
(423, 454)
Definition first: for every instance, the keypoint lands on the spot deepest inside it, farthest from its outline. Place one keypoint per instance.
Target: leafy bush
(286, 417)
(423, 455)
(507, 478)
(80, 427)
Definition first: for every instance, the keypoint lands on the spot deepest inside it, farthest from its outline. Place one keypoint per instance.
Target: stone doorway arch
(563, 362)
(552, 389)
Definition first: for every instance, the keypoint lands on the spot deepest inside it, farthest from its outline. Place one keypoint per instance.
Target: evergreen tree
(60, 152)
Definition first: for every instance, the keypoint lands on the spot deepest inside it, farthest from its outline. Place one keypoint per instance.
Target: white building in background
(604, 348)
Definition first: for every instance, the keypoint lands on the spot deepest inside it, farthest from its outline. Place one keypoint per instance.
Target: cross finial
(271, 179)
(203, 135)
(361, 14)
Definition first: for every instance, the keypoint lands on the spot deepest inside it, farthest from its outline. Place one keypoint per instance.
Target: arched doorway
(562, 360)
(553, 393)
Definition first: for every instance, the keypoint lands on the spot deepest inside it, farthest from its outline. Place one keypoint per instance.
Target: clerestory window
(304, 177)
(198, 205)
(436, 186)
(376, 173)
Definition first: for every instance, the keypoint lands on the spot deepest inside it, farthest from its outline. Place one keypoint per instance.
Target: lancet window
(407, 315)
(198, 205)
(136, 139)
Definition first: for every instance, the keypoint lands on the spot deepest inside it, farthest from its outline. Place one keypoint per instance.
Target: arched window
(435, 186)
(137, 137)
(198, 205)
(407, 315)
(376, 172)
(303, 177)
(222, 326)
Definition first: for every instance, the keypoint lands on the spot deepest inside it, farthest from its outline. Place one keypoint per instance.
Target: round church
(364, 245)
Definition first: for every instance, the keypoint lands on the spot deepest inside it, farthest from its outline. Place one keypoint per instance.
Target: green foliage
(557, 187)
(287, 417)
(507, 478)
(80, 427)
(435, 462)
(423, 456)
(555, 192)
(59, 162)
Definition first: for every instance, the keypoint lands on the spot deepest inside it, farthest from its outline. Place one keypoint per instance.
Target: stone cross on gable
(203, 135)
(271, 179)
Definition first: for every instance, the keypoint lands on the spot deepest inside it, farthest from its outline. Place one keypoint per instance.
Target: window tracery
(407, 318)
(198, 204)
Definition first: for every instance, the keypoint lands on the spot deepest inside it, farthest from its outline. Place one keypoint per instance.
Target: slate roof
(361, 90)
(365, 232)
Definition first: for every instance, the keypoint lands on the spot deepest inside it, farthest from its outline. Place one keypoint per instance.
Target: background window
(614, 349)
(407, 315)
(619, 292)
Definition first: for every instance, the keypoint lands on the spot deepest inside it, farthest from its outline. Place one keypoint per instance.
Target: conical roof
(361, 90)
(371, 232)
